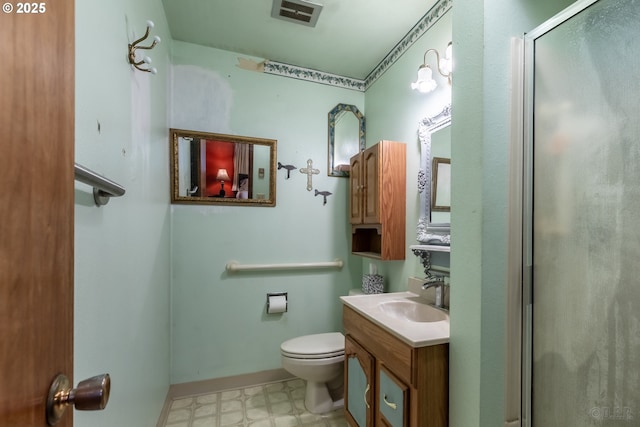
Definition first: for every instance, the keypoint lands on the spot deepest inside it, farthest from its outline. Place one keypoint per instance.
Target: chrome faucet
(439, 285)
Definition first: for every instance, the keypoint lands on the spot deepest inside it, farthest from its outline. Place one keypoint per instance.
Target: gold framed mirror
(220, 169)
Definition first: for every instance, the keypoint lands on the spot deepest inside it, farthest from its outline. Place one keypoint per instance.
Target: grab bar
(103, 188)
(235, 266)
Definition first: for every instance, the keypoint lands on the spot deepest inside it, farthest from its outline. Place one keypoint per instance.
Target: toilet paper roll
(276, 304)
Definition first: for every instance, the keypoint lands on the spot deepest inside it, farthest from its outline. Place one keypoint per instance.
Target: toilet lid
(315, 346)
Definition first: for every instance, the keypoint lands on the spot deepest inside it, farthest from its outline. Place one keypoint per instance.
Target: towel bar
(103, 188)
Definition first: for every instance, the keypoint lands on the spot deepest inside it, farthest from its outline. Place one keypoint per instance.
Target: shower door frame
(521, 222)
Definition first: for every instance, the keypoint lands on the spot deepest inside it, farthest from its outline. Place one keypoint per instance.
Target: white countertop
(416, 334)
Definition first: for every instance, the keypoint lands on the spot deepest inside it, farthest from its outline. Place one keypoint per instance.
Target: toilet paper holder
(277, 294)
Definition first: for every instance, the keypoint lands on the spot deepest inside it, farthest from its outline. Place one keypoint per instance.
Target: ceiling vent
(298, 11)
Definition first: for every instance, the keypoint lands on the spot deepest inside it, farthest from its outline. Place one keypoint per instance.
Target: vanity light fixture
(143, 65)
(425, 82)
(222, 177)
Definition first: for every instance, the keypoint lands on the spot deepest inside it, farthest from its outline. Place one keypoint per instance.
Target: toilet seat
(316, 346)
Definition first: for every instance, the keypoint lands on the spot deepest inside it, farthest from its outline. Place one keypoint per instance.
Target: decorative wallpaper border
(294, 72)
(427, 21)
(300, 73)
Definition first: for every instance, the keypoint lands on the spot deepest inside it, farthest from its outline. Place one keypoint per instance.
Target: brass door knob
(91, 395)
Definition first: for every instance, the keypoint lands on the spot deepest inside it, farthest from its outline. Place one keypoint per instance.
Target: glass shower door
(584, 217)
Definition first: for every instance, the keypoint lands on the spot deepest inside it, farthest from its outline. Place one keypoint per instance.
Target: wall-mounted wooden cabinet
(388, 383)
(378, 188)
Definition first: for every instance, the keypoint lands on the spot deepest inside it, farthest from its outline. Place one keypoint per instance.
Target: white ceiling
(350, 38)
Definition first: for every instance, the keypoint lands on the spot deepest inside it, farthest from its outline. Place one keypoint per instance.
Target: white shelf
(431, 248)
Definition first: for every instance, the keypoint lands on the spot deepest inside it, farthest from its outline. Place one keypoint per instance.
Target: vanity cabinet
(392, 400)
(389, 383)
(359, 370)
(377, 183)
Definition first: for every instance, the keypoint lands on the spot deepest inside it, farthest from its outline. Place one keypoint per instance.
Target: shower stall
(581, 218)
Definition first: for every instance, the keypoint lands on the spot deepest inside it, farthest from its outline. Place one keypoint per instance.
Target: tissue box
(372, 284)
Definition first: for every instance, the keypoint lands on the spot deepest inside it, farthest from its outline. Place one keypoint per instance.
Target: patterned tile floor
(270, 405)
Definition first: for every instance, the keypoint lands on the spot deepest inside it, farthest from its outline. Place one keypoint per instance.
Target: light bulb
(146, 60)
(157, 39)
(150, 24)
(424, 83)
(446, 64)
(426, 87)
(153, 70)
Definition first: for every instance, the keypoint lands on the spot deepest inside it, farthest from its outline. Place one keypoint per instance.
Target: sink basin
(412, 311)
(406, 315)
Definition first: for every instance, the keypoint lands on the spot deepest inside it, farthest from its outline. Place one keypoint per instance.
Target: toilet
(317, 359)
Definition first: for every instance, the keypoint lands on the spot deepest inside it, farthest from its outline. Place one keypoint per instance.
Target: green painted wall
(218, 320)
(393, 112)
(219, 324)
(482, 33)
(122, 249)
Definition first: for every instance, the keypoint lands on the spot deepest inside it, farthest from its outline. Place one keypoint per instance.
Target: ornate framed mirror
(212, 168)
(346, 138)
(434, 226)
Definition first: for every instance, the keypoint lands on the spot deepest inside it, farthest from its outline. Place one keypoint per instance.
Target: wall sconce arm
(425, 82)
(447, 72)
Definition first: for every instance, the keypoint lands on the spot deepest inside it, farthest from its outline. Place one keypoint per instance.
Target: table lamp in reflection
(222, 177)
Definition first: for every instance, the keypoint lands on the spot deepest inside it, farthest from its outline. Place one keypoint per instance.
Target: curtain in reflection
(241, 162)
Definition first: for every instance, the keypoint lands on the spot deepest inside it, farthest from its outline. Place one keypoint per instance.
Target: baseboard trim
(195, 388)
(162, 419)
(226, 383)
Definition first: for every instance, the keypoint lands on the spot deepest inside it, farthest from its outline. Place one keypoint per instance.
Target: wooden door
(36, 207)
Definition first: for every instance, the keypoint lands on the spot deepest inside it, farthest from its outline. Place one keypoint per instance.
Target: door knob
(91, 395)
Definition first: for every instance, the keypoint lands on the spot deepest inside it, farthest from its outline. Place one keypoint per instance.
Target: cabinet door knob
(393, 406)
(366, 390)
